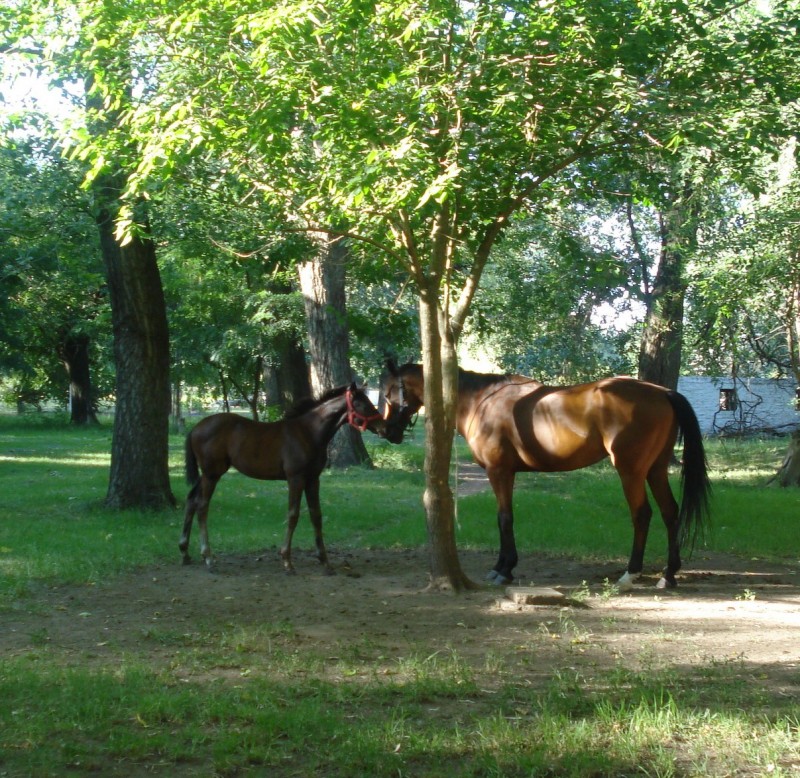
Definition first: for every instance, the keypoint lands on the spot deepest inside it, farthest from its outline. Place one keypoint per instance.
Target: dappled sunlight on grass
(59, 459)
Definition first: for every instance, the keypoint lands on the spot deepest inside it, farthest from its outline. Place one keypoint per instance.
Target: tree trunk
(139, 450)
(75, 356)
(662, 340)
(287, 380)
(440, 368)
(789, 473)
(322, 281)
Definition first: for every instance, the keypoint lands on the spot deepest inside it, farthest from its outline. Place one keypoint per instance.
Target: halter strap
(355, 418)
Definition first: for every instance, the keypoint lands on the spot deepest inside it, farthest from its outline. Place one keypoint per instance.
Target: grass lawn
(186, 706)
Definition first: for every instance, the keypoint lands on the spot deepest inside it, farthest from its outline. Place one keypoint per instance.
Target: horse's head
(401, 398)
(361, 413)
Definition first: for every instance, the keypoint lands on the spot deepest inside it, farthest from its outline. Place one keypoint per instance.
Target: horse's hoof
(666, 582)
(187, 560)
(498, 578)
(625, 583)
(290, 571)
(330, 571)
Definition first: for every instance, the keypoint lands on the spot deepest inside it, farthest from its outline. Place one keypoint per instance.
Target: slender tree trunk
(789, 472)
(139, 450)
(75, 355)
(322, 281)
(440, 368)
(662, 341)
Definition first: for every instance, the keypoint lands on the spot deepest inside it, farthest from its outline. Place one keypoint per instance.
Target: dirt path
(726, 610)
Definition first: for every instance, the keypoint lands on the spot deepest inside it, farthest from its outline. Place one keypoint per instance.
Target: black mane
(309, 403)
(466, 378)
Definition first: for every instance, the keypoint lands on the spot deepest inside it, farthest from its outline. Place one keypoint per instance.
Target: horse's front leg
(315, 512)
(296, 486)
(502, 482)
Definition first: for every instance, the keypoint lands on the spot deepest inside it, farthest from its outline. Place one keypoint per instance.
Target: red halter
(357, 419)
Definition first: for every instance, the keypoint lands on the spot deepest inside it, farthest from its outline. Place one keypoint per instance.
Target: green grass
(53, 479)
(234, 699)
(429, 719)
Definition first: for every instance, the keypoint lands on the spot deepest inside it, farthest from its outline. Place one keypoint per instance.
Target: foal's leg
(207, 487)
(197, 502)
(502, 482)
(191, 509)
(296, 486)
(315, 512)
(641, 513)
(662, 493)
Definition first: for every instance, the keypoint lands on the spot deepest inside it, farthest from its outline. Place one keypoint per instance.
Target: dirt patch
(725, 610)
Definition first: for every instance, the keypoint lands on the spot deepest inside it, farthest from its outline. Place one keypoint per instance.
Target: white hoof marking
(625, 584)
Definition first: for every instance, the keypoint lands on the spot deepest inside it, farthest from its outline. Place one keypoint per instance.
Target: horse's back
(530, 426)
(254, 448)
(629, 420)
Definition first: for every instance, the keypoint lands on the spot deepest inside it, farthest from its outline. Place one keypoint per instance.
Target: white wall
(764, 404)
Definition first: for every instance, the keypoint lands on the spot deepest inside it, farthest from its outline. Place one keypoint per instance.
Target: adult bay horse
(294, 449)
(514, 424)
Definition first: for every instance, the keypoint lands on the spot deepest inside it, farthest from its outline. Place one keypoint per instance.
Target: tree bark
(789, 472)
(139, 475)
(440, 368)
(662, 340)
(75, 356)
(322, 281)
(287, 380)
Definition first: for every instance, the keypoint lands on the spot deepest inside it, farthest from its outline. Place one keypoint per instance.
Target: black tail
(693, 515)
(190, 461)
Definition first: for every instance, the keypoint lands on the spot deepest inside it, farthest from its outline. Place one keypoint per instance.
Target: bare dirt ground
(744, 613)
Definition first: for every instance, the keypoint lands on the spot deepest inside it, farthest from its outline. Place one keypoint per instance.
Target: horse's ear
(391, 366)
(353, 387)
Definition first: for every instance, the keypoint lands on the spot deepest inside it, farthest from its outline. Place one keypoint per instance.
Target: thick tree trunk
(139, 451)
(75, 356)
(287, 380)
(322, 281)
(440, 368)
(662, 340)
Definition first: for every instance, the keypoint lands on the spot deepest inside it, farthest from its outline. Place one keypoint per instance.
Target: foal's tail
(190, 461)
(693, 515)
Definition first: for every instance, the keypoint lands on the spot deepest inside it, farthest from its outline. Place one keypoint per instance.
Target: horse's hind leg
(296, 486)
(197, 502)
(315, 512)
(191, 509)
(662, 493)
(641, 513)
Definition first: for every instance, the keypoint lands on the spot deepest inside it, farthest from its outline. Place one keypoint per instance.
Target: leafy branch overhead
(430, 123)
